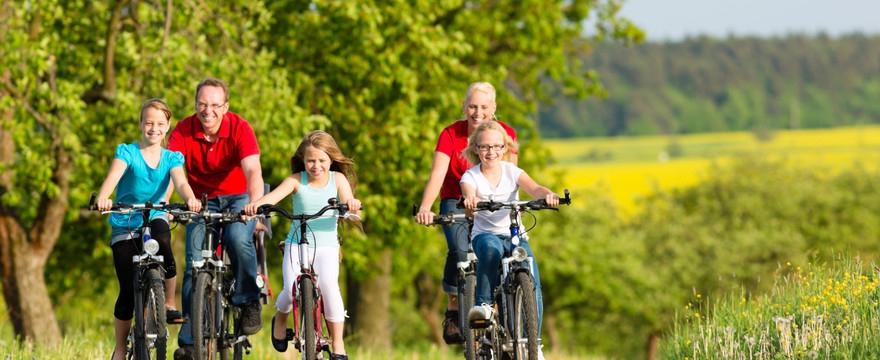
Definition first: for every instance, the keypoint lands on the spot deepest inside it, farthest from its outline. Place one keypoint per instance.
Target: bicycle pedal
(480, 324)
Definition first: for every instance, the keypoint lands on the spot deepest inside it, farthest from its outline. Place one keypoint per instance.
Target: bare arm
(432, 188)
(178, 177)
(288, 186)
(343, 188)
(537, 191)
(254, 175)
(117, 169)
(469, 193)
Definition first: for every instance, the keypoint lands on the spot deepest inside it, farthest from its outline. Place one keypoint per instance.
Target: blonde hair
(473, 154)
(482, 87)
(158, 104)
(323, 141)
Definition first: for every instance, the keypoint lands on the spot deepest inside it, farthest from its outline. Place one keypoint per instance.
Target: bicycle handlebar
(123, 207)
(539, 204)
(445, 219)
(332, 204)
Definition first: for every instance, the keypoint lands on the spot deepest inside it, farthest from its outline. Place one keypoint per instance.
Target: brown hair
(472, 154)
(213, 82)
(323, 141)
(158, 104)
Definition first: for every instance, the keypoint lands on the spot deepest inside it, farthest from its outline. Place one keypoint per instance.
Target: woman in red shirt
(446, 171)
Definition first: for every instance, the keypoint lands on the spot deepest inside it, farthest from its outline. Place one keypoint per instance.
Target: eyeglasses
(486, 148)
(203, 106)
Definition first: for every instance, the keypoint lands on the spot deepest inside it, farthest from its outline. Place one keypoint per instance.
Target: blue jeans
(237, 238)
(457, 244)
(490, 248)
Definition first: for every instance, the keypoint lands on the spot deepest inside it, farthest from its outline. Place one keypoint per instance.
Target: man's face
(211, 105)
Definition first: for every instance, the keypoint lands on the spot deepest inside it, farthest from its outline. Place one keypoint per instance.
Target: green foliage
(705, 84)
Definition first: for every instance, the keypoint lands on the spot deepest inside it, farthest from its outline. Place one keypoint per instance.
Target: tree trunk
(429, 298)
(551, 328)
(370, 300)
(652, 345)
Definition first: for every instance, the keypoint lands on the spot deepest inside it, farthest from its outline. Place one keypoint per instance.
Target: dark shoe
(338, 357)
(251, 323)
(184, 353)
(174, 316)
(451, 330)
(280, 345)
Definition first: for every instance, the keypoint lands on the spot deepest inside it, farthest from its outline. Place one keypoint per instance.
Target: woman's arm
(117, 169)
(537, 191)
(432, 188)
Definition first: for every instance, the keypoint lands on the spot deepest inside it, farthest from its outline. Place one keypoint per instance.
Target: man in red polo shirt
(222, 160)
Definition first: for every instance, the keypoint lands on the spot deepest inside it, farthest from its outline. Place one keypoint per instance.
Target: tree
(74, 75)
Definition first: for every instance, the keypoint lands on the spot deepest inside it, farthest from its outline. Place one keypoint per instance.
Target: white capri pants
(326, 266)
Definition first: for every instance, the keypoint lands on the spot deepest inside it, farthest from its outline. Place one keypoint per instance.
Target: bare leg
(170, 292)
(280, 325)
(120, 328)
(336, 342)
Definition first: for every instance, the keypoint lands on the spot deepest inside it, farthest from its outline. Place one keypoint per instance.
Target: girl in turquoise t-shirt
(143, 172)
(319, 172)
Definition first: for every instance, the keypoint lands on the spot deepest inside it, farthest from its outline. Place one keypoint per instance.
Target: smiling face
(154, 126)
(491, 147)
(479, 108)
(317, 162)
(211, 105)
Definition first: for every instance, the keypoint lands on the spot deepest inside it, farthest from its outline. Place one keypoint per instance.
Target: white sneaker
(540, 354)
(480, 313)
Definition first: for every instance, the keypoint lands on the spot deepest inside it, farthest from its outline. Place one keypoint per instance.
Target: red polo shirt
(215, 168)
(453, 140)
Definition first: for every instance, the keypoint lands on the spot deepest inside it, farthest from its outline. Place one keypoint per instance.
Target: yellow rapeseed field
(631, 167)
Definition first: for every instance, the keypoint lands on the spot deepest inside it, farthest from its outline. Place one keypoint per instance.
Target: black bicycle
(308, 334)
(148, 337)
(216, 322)
(514, 332)
(466, 282)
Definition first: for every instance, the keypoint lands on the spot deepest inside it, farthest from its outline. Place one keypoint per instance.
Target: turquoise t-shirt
(141, 183)
(321, 232)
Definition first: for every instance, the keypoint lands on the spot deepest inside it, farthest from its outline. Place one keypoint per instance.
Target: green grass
(820, 312)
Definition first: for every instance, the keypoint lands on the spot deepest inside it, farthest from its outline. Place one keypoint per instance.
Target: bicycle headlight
(519, 254)
(151, 246)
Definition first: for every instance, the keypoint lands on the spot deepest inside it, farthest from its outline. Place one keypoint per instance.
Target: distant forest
(737, 83)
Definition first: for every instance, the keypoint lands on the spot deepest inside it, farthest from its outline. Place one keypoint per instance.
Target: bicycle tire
(204, 317)
(154, 313)
(233, 316)
(139, 350)
(525, 317)
(307, 321)
(466, 294)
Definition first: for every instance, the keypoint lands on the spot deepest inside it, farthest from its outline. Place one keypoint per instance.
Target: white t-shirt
(497, 222)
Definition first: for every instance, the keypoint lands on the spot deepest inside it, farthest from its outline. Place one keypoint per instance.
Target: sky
(677, 19)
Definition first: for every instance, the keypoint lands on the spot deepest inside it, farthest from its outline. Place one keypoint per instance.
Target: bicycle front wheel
(155, 331)
(525, 318)
(205, 322)
(466, 289)
(308, 339)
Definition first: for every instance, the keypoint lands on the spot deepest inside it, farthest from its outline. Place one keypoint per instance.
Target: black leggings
(123, 251)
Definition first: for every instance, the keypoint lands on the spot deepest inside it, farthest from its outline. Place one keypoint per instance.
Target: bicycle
(308, 334)
(466, 279)
(216, 322)
(149, 332)
(516, 334)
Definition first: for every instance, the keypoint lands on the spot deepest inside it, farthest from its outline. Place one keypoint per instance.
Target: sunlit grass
(633, 167)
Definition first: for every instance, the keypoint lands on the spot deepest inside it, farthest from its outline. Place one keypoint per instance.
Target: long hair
(472, 154)
(323, 141)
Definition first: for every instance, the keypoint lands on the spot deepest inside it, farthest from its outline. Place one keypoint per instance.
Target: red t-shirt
(215, 168)
(453, 140)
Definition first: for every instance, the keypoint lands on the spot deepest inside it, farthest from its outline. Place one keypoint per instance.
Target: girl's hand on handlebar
(470, 202)
(425, 217)
(104, 204)
(194, 204)
(552, 200)
(354, 205)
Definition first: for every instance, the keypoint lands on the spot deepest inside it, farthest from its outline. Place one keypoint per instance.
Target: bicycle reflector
(151, 246)
(519, 254)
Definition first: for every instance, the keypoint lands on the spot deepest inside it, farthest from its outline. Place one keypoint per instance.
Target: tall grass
(822, 312)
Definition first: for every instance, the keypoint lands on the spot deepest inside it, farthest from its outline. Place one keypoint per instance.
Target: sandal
(174, 316)
(280, 345)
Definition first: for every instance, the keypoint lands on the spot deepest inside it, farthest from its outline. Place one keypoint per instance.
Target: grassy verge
(820, 312)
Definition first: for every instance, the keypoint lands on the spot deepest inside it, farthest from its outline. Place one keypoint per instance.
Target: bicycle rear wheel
(525, 318)
(466, 290)
(154, 315)
(308, 339)
(204, 317)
